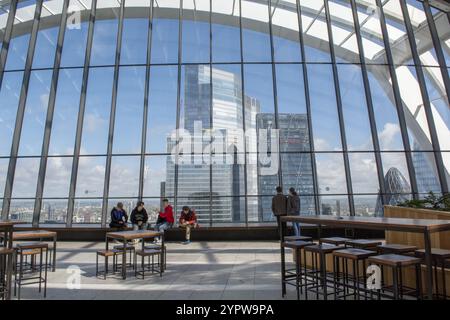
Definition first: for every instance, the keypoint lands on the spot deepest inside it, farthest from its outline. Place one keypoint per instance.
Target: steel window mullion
(243, 112)
(80, 120)
(180, 39)
(210, 114)
(7, 38)
(340, 112)
(426, 99)
(438, 48)
(146, 102)
(368, 95)
(398, 101)
(50, 113)
(308, 109)
(275, 91)
(21, 110)
(112, 118)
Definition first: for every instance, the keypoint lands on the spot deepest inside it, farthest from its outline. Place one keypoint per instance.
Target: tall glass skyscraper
(92, 92)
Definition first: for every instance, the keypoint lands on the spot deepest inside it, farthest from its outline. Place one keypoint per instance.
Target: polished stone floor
(201, 270)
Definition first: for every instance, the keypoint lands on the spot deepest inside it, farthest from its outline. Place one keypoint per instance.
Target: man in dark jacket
(294, 208)
(119, 217)
(139, 217)
(279, 207)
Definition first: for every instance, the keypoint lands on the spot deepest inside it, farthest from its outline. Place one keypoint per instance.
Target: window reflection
(196, 38)
(285, 31)
(129, 110)
(25, 178)
(97, 111)
(57, 178)
(165, 31)
(331, 173)
(3, 172)
(65, 116)
(91, 177)
(226, 38)
(20, 37)
(47, 37)
(255, 34)
(105, 33)
(53, 211)
(354, 107)
(124, 179)
(324, 114)
(363, 170)
(74, 47)
(159, 176)
(35, 113)
(135, 32)
(9, 96)
(162, 109)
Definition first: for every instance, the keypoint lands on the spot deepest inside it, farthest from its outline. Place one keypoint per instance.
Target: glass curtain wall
(347, 101)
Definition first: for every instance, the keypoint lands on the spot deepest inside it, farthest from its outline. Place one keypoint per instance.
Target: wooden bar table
(38, 235)
(126, 236)
(7, 228)
(423, 226)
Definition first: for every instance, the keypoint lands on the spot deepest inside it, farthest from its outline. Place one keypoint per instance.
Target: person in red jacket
(165, 219)
(188, 220)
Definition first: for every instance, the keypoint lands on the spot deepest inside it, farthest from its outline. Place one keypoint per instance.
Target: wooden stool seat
(325, 248)
(363, 243)
(297, 238)
(435, 253)
(31, 245)
(335, 240)
(297, 244)
(147, 252)
(153, 247)
(127, 247)
(6, 251)
(394, 260)
(396, 248)
(108, 253)
(353, 253)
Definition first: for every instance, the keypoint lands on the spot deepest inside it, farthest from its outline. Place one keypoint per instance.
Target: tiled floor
(202, 270)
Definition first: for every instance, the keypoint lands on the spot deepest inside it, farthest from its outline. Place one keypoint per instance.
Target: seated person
(139, 217)
(165, 219)
(188, 220)
(119, 217)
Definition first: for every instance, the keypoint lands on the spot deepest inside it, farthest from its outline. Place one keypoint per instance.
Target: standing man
(188, 220)
(279, 207)
(294, 208)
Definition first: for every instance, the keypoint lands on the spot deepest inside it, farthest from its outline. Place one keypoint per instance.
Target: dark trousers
(281, 224)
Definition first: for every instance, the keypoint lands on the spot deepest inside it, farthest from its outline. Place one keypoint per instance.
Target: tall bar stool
(318, 273)
(363, 244)
(343, 278)
(150, 266)
(337, 241)
(396, 248)
(6, 266)
(298, 273)
(397, 262)
(37, 273)
(440, 257)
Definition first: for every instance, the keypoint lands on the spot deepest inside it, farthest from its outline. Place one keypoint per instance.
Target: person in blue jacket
(119, 217)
